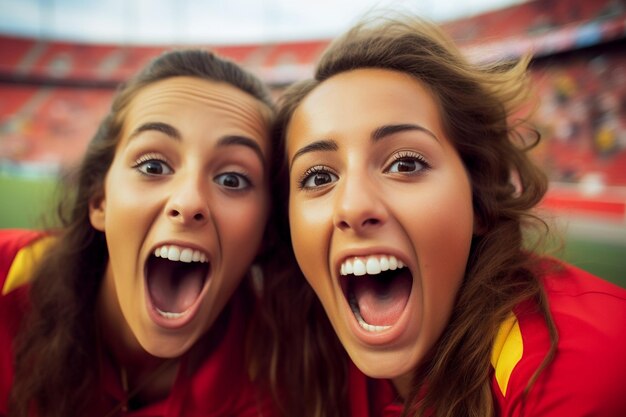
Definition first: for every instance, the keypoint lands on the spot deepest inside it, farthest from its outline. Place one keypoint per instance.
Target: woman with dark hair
(137, 305)
(410, 191)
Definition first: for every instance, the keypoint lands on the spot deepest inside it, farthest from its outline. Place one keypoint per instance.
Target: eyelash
(401, 156)
(150, 157)
(240, 175)
(154, 157)
(410, 156)
(310, 172)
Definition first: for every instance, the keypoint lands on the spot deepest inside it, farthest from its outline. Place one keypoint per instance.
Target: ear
(97, 206)
(516, 181)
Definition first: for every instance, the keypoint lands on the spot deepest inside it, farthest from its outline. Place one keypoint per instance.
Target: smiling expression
(381, 215)
(184, 209)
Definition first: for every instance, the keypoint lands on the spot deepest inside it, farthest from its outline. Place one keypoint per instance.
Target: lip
(177, 322)
(395, 332)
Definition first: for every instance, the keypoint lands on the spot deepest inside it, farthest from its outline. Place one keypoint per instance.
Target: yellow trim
(23, 265)
(508, 349)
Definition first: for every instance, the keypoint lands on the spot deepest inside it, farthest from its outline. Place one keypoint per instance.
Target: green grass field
(24, 200)
(607, 260)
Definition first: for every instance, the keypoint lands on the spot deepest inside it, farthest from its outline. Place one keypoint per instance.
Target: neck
(115, 333)
(145, 378)
(149, 385)
(402, 384)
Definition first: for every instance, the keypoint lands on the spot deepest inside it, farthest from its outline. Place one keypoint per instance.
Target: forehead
(172, 96)
(367, 97)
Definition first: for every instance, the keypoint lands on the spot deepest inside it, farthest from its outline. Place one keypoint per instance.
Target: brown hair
(56, 350)
(476, 102)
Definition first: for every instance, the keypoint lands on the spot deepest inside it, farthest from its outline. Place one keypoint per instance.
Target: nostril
(174, 213)
(371, 222)
(344, 225)
(198, 217)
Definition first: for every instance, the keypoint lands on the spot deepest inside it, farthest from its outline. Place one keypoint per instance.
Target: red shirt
(586, 377)
(218, 387)
(371, 397)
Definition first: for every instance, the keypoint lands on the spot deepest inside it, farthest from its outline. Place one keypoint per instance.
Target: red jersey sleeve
(586, 376)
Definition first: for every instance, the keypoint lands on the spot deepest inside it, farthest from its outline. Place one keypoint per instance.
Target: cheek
(241, 226)
(127, 201)
(442, 245)
(308, 224)
(126, 211)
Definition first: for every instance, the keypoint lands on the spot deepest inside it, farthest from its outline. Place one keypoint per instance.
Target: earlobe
(96, 213)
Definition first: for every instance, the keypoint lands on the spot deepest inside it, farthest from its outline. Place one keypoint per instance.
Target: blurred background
(61, 60)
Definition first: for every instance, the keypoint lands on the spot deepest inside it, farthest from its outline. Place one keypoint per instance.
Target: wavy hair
(477, 102)
(56, 348)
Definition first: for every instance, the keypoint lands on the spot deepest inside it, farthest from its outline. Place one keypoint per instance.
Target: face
(184, 209)
(381, 215)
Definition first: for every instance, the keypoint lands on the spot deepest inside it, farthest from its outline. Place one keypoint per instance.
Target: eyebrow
(378, 134)
(165, 128)
(230, 140)
(237, 140)
(387, 130)
(324, 145)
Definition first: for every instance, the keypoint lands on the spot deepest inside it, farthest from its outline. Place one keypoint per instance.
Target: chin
(167, 347)
(387, 365)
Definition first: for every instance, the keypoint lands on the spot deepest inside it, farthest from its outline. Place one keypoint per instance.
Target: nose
(359, 205)
(188, 204)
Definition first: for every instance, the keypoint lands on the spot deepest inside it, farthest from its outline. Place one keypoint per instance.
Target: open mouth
(377, 289)
(175, 278)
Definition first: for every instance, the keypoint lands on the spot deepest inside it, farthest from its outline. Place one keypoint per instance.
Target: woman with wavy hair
(410, 192)
(141, 303)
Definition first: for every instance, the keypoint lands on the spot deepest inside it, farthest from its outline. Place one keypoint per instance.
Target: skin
(373, 173)
(191, 169)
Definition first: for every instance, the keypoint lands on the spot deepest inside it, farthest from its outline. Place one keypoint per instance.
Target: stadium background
(53, 95)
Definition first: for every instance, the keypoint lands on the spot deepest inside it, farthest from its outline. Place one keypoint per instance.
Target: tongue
(382, 298)
(174, 286)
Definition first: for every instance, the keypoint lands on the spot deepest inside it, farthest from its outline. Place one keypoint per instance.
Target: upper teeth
(177, 253)
(371, 265)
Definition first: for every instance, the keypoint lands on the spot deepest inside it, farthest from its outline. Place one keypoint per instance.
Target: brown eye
(321, 178)
(407, 163)
(406, 166)
(317, 177)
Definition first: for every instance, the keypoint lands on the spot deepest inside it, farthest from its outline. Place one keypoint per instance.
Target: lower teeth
(369, 327)
(169, 315)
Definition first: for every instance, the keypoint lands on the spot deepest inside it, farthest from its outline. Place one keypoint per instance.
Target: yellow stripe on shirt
(24, 264)
(508, 349)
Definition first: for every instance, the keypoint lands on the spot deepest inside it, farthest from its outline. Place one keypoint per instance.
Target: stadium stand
(53, 93)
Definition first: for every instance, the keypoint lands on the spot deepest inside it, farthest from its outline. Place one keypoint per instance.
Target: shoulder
(19, 250)
(589, 315)
(560, 278)
(14, 246)
(584, 306)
